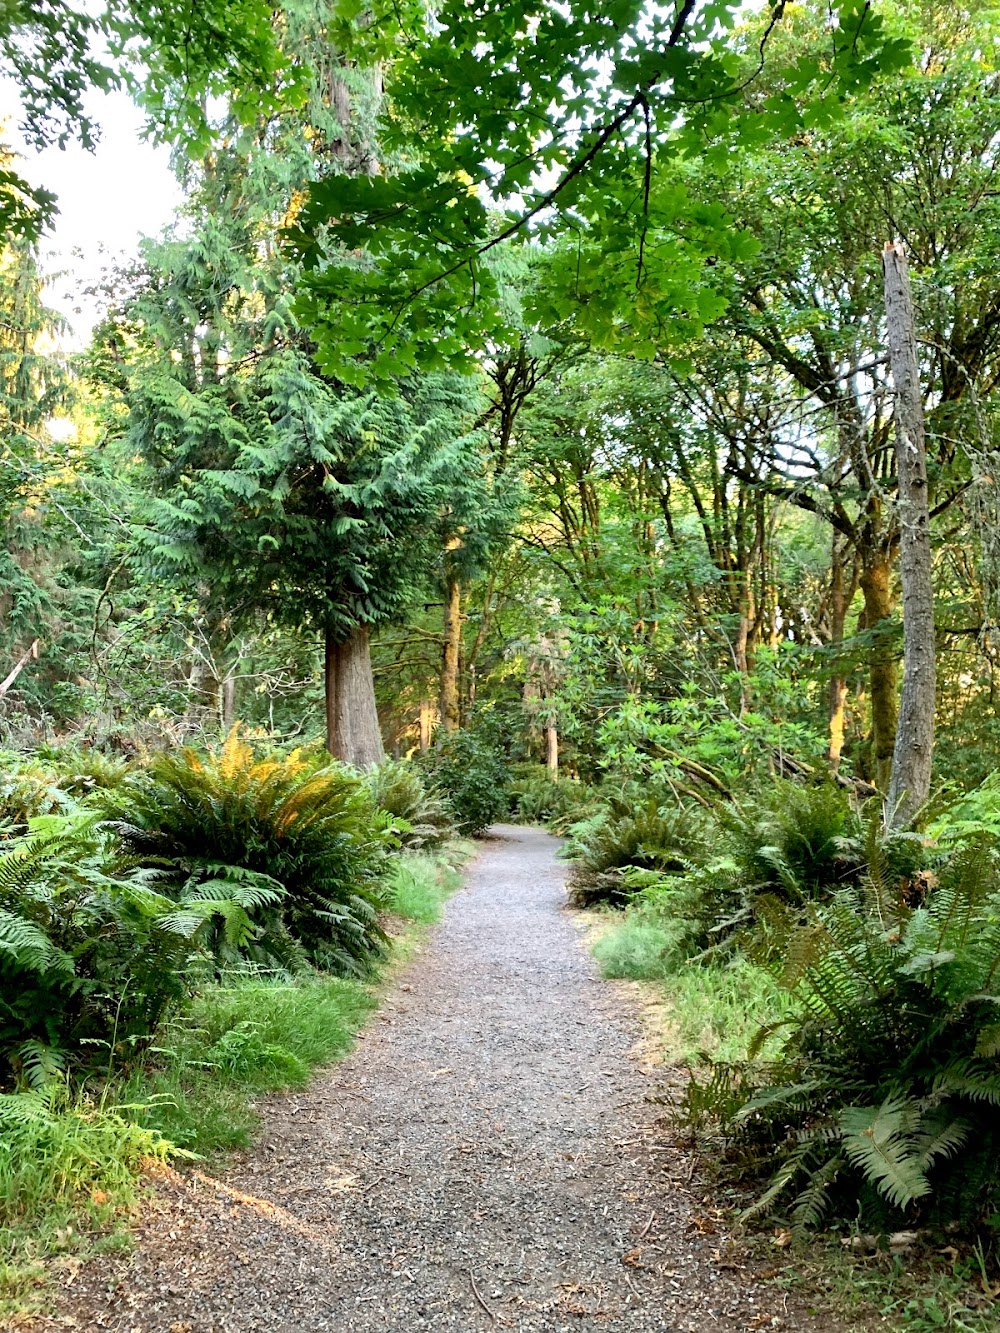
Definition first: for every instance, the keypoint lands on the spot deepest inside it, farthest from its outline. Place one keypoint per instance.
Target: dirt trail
(486, 1157)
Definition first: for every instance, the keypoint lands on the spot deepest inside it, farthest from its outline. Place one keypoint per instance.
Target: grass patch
(237, 1041)
(709, 1009)
(421, 882)
(638, 947)
(68, 1167)
(717, 1011)
(918, 1291)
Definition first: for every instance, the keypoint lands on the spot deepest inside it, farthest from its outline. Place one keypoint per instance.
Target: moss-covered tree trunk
(910, 784)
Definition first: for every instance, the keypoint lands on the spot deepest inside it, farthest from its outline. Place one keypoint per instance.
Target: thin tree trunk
(910, 784)
(228, 701)
(425, 724)
(352, 728)
(552, 750)
(451, 652)
(840, 603)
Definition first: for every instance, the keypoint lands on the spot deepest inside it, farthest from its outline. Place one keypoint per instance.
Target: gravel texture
(488, 1155)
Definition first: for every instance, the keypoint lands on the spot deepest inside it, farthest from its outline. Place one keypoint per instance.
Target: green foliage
(313, 833)
(421, 815)
(65, 1163)
(797, 840)
(26, 790)
(881, 1103)
(91, 960)
(471, 772)
(644, 836)
(242, 1037)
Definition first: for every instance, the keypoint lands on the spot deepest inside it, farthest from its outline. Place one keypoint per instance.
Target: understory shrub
(421, 815)
(882, 1104)
(471, 772)
(314, 832)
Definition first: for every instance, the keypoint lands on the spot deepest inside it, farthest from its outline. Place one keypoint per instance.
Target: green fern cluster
(607, 850)
(92, 957)
(314, 833)
(883, 1103)
(538, 798)
(421, 816)
(26, 790)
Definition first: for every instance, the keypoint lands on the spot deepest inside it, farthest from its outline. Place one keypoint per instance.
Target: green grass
(638, 947)
(717, 1011)
(922, 1290)
(712, 1009)
(250, 1036)
(421, 881)
(68, 1167)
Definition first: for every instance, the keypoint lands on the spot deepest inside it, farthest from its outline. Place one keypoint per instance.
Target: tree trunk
(352, 729)
(840, 603)
(450, 707)
(228, 702)
(876, 588)
(552, 750)
(910, 784)
(425, 724)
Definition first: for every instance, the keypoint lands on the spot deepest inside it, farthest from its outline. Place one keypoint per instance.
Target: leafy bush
(648, 837)
(882, 1103)
(472, 774)
(316, 832)
(80, 770)
(91, 961)
(421, 815)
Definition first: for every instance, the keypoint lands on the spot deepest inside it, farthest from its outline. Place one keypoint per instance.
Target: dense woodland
(581, 414)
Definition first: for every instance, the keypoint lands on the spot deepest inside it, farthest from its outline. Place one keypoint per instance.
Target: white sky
(107, 200)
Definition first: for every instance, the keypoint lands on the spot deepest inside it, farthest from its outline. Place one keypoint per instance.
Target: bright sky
(107, 199)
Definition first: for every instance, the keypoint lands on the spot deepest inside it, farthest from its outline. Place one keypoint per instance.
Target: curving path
(485, 1157)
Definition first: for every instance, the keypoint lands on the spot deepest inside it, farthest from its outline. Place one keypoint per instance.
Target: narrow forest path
(485, 1157)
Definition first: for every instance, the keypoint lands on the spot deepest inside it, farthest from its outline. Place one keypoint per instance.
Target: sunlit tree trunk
(352, 727)
(841, 597)
(552, 749)
(911, 763)
(451, 654)
(426, 709)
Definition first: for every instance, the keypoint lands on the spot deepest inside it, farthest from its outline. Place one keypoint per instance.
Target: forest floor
(490, 1155)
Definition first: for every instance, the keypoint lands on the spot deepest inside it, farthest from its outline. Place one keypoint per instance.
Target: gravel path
(485, 1157)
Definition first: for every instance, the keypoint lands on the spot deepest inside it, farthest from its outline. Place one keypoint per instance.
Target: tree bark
(352, 729)
(910, 783)
(451, 652)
